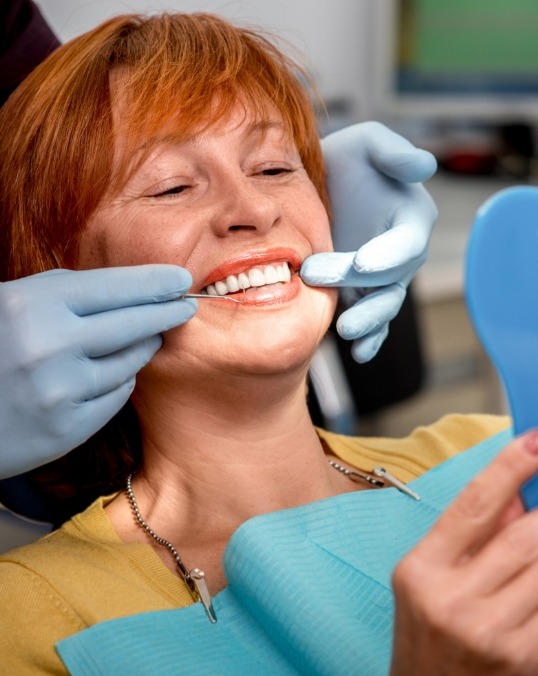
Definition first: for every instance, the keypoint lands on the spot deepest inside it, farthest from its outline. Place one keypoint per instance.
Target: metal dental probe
(206, 295)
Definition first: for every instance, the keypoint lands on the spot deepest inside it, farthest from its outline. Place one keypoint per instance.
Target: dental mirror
(502, 299)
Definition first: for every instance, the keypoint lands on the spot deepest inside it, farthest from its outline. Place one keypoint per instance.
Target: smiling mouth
(255, 277)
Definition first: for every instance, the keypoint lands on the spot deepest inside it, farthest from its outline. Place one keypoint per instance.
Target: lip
(275, 294)
(250, 260)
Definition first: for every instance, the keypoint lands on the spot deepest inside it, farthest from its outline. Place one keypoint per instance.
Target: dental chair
(16, 530)
(22, 518)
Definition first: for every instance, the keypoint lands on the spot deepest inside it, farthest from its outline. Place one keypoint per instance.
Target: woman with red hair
(184, 140)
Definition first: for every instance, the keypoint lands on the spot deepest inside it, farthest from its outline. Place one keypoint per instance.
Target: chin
(264, 343)
(274, 355)
(283, 342)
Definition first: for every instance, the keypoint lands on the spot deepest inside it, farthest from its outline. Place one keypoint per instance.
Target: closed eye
(276, 171)
(176, 190)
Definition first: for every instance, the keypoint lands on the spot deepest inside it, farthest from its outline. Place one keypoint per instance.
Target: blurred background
(456, 77)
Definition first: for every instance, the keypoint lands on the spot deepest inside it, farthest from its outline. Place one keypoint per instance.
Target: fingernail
(531, 442)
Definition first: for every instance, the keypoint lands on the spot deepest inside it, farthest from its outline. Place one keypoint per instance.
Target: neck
(220, 457)
(215, 458)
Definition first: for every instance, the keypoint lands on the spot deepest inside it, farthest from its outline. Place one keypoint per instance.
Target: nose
(244, 204)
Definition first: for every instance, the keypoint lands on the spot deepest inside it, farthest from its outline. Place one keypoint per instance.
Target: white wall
(335, 35)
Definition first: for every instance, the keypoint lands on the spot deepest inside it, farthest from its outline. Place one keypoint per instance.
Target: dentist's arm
(382, 222)
(72, 343)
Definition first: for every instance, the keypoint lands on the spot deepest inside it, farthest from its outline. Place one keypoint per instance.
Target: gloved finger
(404, 246)
(337, 269)
(107, 332)
(393, 255)
(328, 269)
(365, 349)
(59, 383)
(113, 371)
(92, 291)
(395, 156)
(371, 313)
(50, 273)
(94, 414)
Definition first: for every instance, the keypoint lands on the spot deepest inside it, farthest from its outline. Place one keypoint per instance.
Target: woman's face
(231, 204)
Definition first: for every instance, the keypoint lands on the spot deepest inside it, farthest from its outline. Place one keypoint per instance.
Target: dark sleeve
(25, 40)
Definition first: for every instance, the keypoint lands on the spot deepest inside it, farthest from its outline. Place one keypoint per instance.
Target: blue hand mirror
(502, 299)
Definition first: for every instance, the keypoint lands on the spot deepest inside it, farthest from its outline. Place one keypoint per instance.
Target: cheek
(99, 243)
(92, 250)
(315, 222)
(325, 240)
(109, 241)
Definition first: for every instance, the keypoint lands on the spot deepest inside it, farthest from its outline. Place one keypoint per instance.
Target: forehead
(139, 126)
(135, 143)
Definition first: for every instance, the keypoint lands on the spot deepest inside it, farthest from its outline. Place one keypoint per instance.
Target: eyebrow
(263, 126)
(252, 129)
(259, 130)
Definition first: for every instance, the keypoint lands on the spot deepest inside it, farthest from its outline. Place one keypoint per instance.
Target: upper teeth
(259, 276)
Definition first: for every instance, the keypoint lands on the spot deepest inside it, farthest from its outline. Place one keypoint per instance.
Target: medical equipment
(206, 295)
(501, 291)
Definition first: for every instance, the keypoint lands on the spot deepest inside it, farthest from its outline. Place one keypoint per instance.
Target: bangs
(202, 69)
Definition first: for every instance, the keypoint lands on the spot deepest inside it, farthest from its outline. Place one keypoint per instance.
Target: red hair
(57, 147)
(56, 138)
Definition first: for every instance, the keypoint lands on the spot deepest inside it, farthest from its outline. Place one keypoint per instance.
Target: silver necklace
(195, 578)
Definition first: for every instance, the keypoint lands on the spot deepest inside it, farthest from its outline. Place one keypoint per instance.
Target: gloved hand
(382, 221)
(71, 343)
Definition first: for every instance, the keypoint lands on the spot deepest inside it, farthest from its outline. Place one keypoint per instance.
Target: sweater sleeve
(33, 618)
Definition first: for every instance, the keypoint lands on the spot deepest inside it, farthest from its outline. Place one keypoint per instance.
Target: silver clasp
(395, 482)
(197, 577)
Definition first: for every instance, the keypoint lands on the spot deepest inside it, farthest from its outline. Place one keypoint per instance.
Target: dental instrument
(206, 295)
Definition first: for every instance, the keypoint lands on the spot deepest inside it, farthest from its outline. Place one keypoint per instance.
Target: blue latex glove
(382, 222)
(71, 345)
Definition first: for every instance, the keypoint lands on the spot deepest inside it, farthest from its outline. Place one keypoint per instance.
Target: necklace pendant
(197, 577)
